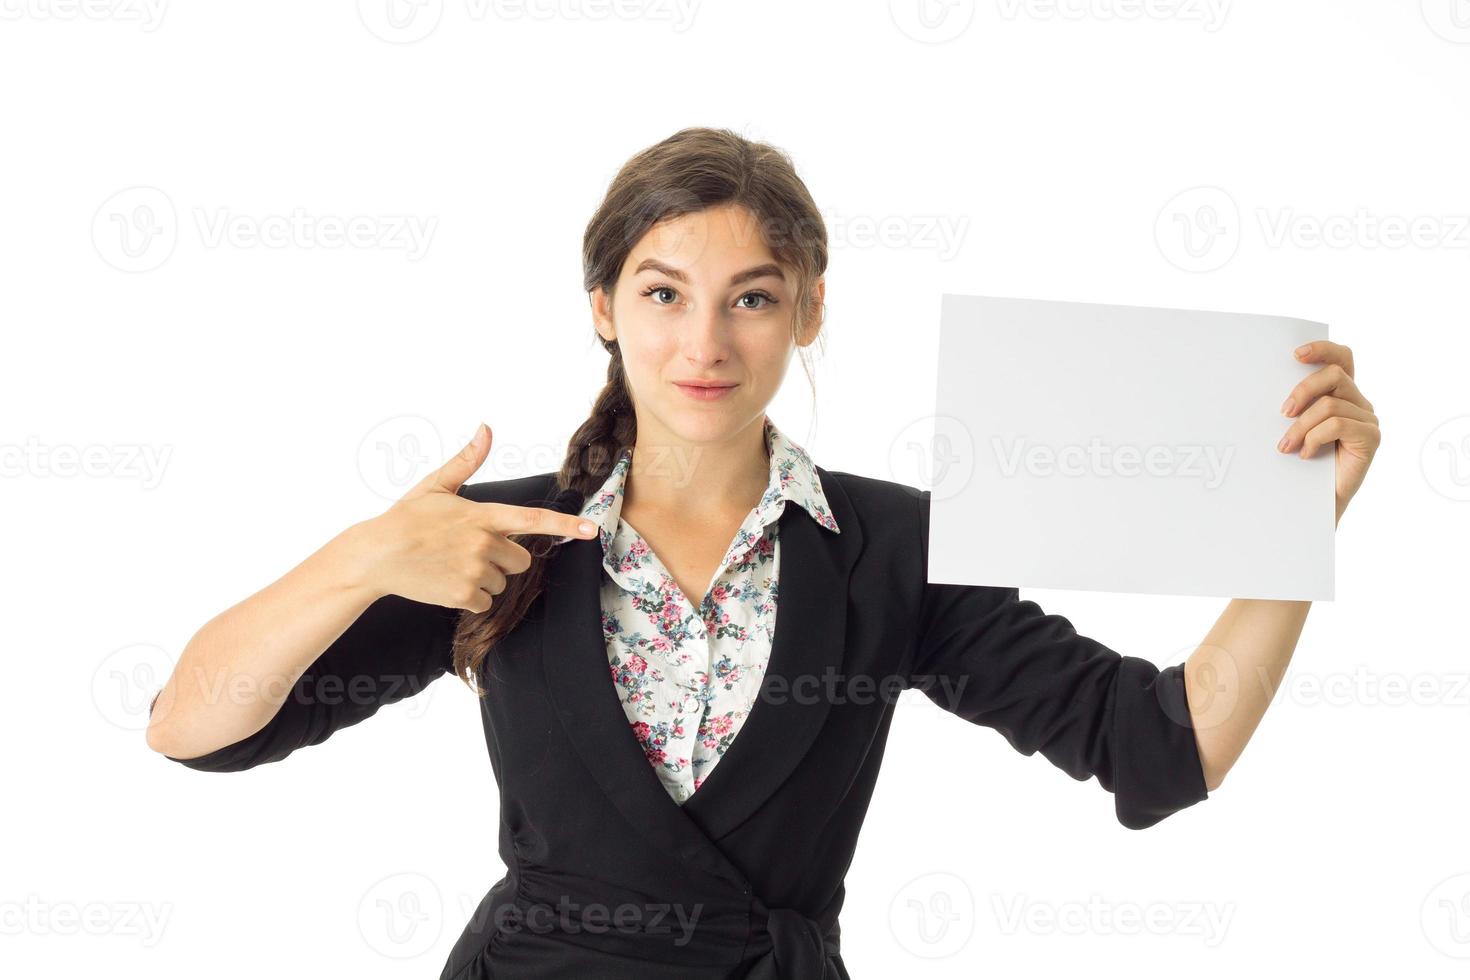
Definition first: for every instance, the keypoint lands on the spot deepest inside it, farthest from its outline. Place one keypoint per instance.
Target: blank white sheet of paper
(1125, 449)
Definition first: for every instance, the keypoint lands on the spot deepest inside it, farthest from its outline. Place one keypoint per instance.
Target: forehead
(708, 243)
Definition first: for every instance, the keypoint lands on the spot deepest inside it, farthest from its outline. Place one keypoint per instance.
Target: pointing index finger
(516, 519)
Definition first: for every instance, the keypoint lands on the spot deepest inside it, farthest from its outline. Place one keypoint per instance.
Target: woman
(682, 771)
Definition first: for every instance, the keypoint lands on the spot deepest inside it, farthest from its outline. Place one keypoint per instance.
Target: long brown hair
(694, 169)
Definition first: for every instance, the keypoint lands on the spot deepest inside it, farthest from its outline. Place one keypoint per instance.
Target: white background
(1063, 148)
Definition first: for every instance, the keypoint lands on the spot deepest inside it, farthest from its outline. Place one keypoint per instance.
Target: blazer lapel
(809, 642)
(808, 645)
(574, 658)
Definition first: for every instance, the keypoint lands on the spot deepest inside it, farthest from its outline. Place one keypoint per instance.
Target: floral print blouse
(688, 677)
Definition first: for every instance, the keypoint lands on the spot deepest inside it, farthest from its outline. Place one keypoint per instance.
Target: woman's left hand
(1329, 408)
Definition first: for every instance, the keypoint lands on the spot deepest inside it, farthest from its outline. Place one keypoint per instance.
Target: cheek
(766, 352)
(650, 355)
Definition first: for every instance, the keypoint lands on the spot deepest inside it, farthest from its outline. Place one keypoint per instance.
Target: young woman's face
(702, 299)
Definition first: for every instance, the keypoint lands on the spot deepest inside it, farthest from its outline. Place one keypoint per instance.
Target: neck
(697, 480)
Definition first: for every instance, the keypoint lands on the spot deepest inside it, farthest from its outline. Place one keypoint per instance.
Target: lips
(704, 390)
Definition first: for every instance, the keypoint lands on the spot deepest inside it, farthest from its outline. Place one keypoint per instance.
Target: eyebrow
(755, 272)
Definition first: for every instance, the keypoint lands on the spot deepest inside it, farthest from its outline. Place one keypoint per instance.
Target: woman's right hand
(435, 546)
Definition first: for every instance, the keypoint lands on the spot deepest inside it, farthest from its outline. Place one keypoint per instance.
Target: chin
(707, 424)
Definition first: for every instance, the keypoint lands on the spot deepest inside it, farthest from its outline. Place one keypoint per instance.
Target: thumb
(460, 467)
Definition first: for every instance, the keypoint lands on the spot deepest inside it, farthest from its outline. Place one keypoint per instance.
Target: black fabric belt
(795, 947)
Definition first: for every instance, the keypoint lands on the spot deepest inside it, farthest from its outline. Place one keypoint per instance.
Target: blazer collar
(809, 642)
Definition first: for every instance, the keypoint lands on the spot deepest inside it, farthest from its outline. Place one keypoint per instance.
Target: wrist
(354, 561)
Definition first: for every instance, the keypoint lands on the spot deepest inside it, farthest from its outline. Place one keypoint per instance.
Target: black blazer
(608, 877)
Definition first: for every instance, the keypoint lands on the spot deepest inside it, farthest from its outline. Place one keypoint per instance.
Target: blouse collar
(793, 477)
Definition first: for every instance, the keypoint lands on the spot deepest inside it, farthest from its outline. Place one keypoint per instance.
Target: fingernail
(1286, 407)
(1281, 446)
(1302, 350)
(586, 527)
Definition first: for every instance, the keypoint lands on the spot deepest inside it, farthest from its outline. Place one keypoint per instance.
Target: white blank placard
(1125, 449)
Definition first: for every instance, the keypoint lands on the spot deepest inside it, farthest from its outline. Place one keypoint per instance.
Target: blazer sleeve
(395, 649)
(391, 652)
(997, 660)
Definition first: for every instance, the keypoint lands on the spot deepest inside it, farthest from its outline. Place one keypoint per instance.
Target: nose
(705, 340)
